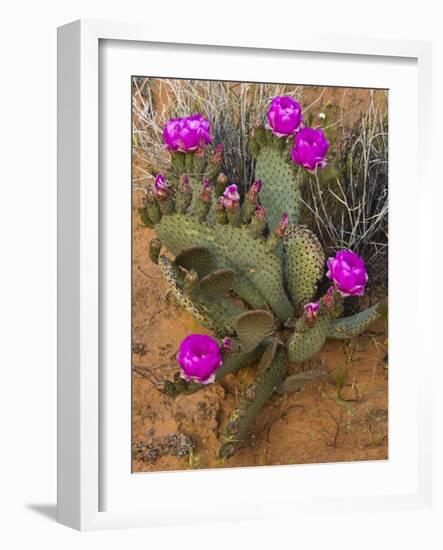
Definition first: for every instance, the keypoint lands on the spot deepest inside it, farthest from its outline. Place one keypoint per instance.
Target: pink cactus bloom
(284, 116)
(231, 197)
(160, 188)
(199, 357)
(310, 148)
(187, 134)
(348, 271)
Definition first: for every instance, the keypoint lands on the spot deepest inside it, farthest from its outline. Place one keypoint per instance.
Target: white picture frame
(81, 412)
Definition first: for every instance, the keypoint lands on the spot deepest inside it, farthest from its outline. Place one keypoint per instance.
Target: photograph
(259, 274)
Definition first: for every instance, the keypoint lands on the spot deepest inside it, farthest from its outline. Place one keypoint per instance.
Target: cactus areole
(244, 267)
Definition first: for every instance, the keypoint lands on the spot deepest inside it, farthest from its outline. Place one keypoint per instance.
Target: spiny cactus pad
(304, 262)
(303, 345)
(281, 187)
(252, 327)
(218, 283)
(348, 327)
(197, 258)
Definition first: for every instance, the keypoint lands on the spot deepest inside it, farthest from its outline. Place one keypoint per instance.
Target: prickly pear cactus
(245, 268)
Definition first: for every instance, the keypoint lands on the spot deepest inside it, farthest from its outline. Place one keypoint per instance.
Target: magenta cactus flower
(187, 134)
(199, 356)
(231, 197)
(310, 148)
(348, 271)
(160, 188)
(310, 312)
(284, 116)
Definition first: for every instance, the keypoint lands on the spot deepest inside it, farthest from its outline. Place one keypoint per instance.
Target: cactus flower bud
(280, 229)
(190, 284)
(222, 179)
(220, 183)
(310, 148)
(254, 190)
(199, 357)
(185, 182)
(154, 249)
(160, 188)
(226, 345)
(284, 116)
(216, 157)
(261, 213)
(258, 222)
(310, 312)
(153, 211)
(251, 201)
(275, 236)
(348, 271)
(187, 134)
(183, 196)
(143, 212)
(206, 194)
(328, 298)
(231, 198)
(204, 201)
(220, 212)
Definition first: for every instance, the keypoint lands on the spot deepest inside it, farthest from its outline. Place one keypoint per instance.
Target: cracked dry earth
(343, 417)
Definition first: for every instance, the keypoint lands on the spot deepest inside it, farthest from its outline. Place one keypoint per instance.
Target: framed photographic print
(234, 219)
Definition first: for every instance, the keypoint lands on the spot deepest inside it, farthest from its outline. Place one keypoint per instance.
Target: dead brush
(348, 205)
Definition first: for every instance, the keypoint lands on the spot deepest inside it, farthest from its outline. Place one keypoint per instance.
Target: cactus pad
(281, 192)
(217, 283)
(302, 345)
(253, 326)
(348, 327)
(303, 264)
(197, 258)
